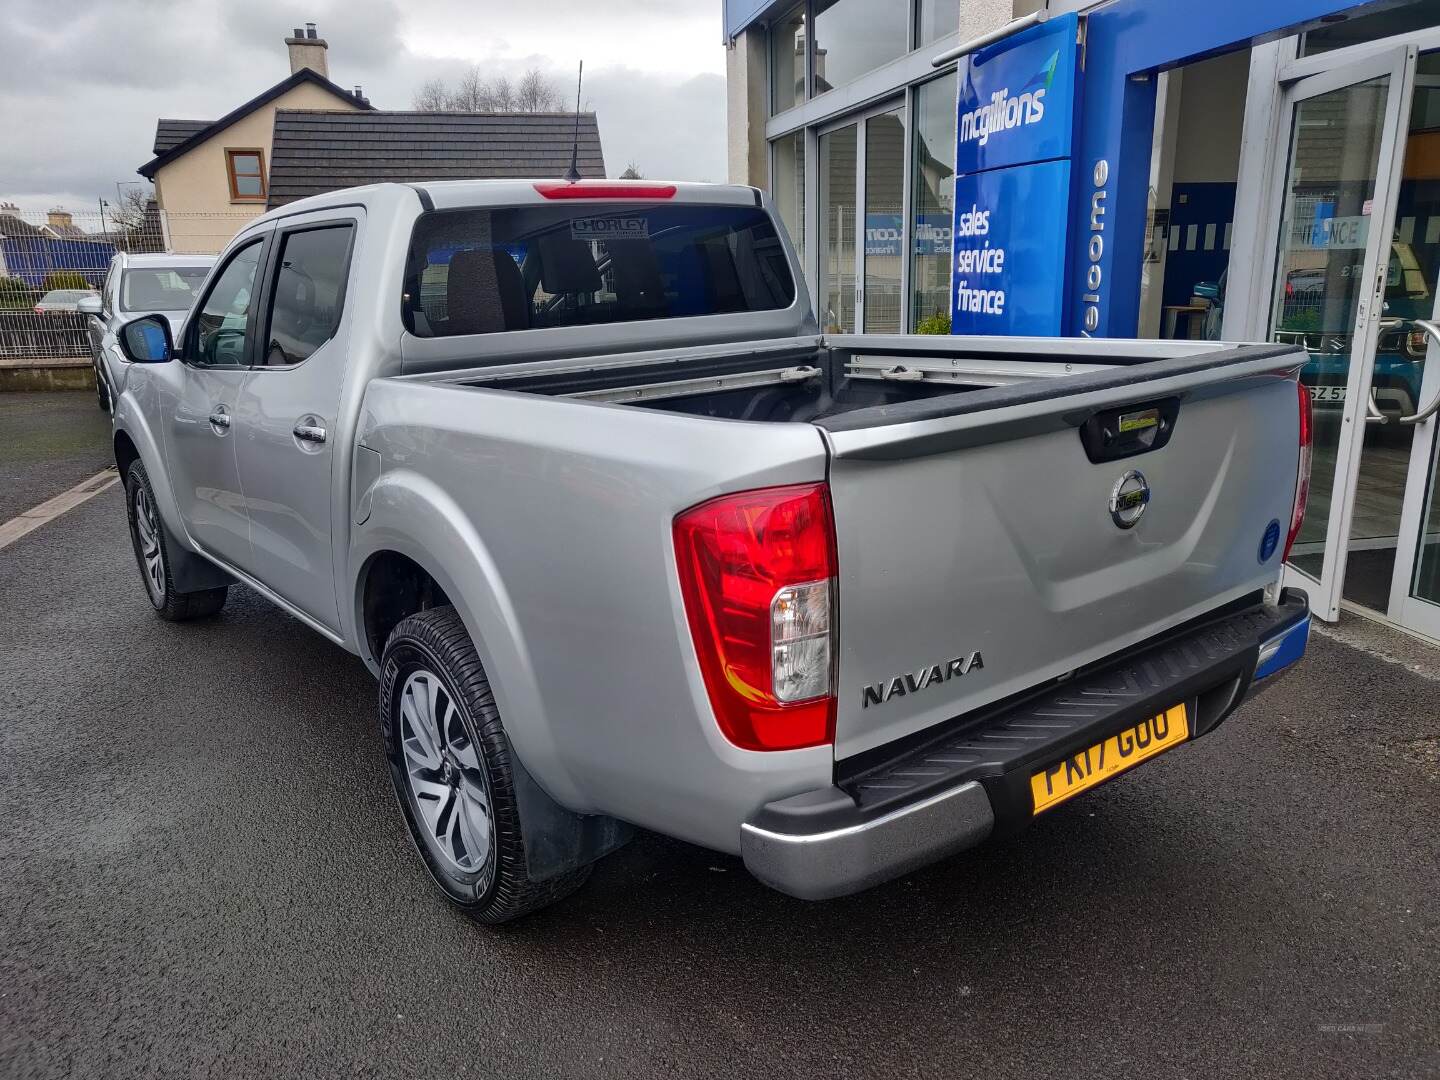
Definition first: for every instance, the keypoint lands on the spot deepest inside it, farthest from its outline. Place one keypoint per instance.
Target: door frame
(1422, 485)
(1320, 78)
(901, 104)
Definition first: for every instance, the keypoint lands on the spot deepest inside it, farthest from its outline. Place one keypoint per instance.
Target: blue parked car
(1400, 353)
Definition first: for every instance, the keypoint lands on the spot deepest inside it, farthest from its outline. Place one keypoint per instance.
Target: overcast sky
(82, 83)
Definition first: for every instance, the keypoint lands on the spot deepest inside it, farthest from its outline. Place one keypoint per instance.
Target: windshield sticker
(610, 228)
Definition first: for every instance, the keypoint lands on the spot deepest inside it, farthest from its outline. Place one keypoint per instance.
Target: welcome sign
(1013, 135)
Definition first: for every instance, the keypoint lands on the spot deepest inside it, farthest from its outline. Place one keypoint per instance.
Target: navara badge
(1129, 498)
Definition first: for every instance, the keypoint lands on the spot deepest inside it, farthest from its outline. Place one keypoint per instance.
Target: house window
(247, 174)
(787, 61)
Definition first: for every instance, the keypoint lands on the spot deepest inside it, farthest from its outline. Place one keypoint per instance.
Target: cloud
(89, 94)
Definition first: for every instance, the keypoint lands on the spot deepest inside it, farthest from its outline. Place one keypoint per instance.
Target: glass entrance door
(1338, 175)
(839, 224)
(862, 223)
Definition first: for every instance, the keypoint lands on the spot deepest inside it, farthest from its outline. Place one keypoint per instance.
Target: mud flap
(557, 840)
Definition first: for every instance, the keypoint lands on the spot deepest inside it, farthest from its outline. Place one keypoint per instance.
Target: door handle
(1421, 415)
(219, 417)
(1373, 415)
(310, 433)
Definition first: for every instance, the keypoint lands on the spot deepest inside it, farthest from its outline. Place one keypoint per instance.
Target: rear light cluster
(1302, 475)
(757, 574)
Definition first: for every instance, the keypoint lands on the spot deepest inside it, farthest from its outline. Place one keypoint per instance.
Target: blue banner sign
(1017, 99)
(1009, 268)
(1013, 134)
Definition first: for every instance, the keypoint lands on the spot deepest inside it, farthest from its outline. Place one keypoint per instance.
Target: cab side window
(220, 335)
(309, 293)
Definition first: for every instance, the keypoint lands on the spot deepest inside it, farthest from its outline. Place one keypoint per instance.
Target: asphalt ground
(203, 873)
(49, 442)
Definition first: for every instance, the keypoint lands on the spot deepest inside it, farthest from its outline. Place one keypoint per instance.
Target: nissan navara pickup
(627, 542)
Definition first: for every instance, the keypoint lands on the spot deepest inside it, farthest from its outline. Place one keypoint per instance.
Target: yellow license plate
(1096, 764)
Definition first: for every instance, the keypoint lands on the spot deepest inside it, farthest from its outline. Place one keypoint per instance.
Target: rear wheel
(450, 762)
(152, 555)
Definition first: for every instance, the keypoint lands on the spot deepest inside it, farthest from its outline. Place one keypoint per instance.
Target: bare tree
(474, 93)
(470, 93)
(135, 221)
(134, 206)
(632, 172)
(536, 93)
(500, 95)
(433, 96)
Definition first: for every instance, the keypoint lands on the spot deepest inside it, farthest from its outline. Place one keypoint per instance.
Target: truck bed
(971, 481)
(815, 379)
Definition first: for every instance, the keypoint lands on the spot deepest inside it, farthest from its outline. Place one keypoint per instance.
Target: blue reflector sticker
(1270, 541)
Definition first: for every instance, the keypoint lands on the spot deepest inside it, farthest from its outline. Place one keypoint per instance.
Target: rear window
(161, 289)
(483, 271)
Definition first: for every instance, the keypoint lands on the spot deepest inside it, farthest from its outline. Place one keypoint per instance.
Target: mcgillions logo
(1004, 112)
(911, 682)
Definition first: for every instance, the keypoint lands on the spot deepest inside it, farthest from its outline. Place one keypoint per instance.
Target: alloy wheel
(147, 536)
(446, 776)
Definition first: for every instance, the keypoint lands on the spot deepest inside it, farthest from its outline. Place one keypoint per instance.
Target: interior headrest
(567, 265)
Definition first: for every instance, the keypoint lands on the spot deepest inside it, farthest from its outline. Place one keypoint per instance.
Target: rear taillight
(1416, 344)
(757, 574)
(1302, 475)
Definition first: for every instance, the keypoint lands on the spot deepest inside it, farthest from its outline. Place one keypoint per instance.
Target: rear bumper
(923, 801)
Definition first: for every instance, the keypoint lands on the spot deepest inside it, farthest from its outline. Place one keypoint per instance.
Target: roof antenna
(572, 174)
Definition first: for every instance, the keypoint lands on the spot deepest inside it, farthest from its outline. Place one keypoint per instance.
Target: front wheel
(450, 762)
(152, 555)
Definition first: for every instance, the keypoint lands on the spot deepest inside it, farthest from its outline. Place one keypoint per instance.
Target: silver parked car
(62, 301)
(627, 541)
(136, 285)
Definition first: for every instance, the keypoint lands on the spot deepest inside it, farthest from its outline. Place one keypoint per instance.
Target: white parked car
(137, 285)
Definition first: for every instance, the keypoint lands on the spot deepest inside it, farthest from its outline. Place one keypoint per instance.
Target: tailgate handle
(1129, 430)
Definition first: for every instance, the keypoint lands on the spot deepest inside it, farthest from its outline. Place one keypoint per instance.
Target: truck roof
(450, 194)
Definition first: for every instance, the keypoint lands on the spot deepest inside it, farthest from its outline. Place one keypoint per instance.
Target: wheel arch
(416, 546)
(134, 441)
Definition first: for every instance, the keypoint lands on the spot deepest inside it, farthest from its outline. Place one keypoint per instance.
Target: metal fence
(48, 261)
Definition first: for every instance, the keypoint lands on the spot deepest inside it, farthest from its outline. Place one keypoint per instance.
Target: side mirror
(1206, 290)
(88, 305)
(147, 340)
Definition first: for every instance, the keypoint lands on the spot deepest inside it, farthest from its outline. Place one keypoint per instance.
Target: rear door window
(483, 271)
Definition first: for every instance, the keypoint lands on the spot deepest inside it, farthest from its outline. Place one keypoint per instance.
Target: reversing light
(757, 575)
(1302, 475)
(604, 189)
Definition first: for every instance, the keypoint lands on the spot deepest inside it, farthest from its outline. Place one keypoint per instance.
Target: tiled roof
(171, 133)
(315, 151)
(304, 75)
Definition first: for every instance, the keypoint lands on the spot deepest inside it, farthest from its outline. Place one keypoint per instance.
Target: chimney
(59, 219)
(307, 50)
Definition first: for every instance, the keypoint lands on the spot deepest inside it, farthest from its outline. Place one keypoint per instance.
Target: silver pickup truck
(627, 542)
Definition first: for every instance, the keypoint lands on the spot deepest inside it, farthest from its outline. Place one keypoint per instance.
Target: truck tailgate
(978, 552)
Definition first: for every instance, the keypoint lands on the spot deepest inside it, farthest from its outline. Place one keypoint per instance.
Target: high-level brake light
(604, 189)
(757, 574)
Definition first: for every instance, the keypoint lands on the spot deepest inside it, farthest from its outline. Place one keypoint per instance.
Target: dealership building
(1237, 170)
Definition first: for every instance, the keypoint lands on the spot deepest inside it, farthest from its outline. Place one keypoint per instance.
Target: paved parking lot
(204, 874)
